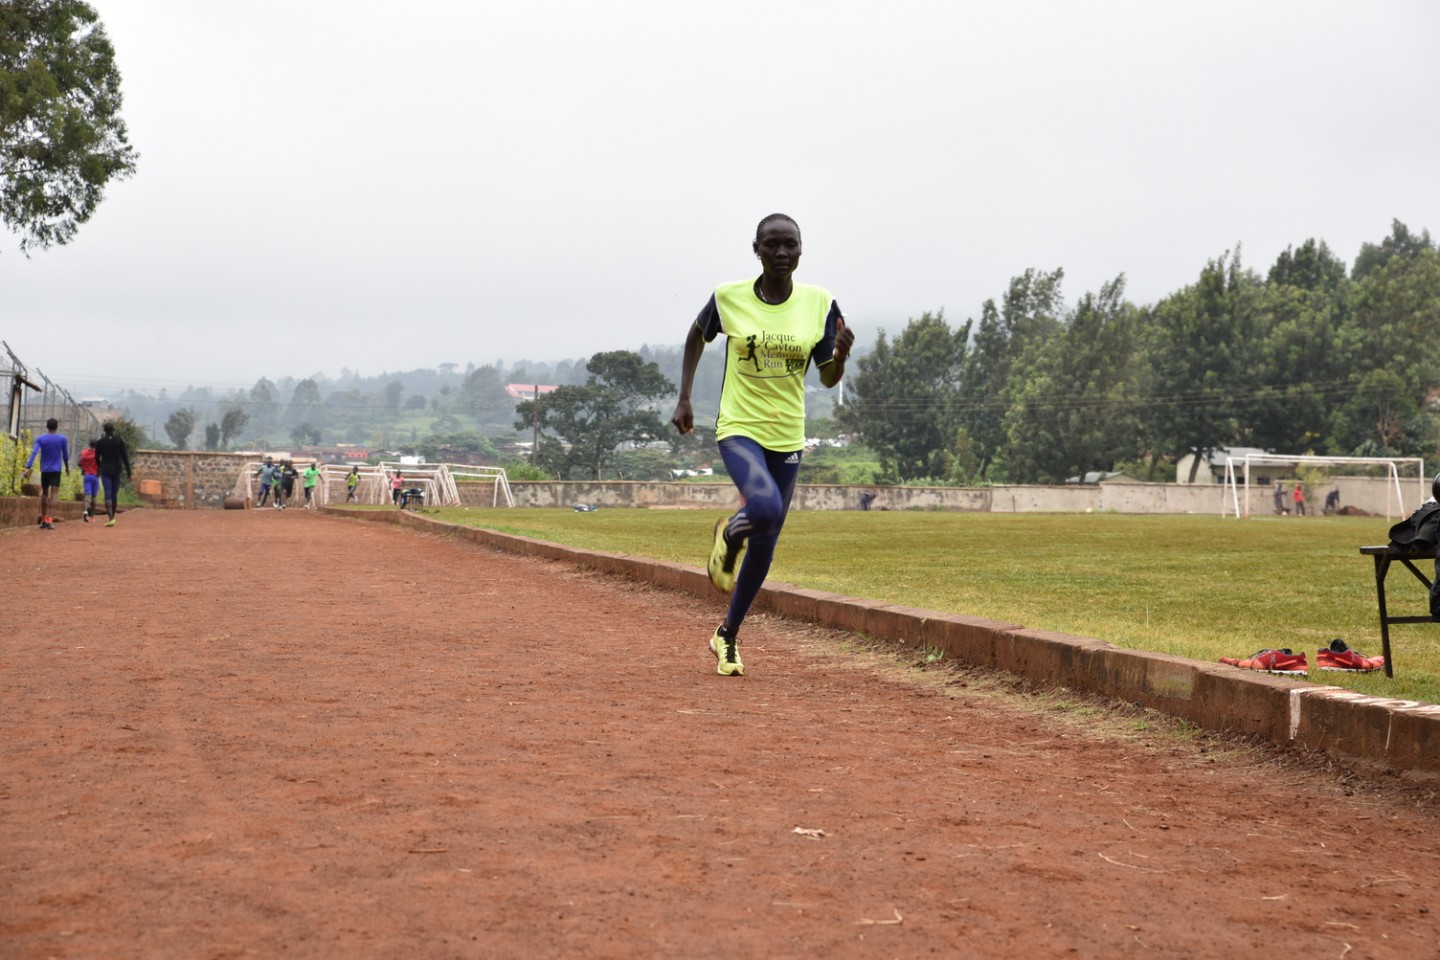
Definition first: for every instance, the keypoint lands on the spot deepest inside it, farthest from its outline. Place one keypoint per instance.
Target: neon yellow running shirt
(768, 349)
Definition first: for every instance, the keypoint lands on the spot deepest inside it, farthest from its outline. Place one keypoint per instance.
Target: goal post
(1237, 474)
(435, 480)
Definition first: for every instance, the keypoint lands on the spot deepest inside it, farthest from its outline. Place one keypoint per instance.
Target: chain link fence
(32, 399)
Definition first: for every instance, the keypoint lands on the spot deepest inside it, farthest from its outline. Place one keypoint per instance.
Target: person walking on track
(773, 330)
(90, 477)
(112, 455)
(53, 449)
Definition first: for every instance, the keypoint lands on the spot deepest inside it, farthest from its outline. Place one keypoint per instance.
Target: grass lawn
(1193, 586)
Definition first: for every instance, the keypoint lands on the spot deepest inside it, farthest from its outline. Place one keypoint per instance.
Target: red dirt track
(247, 733)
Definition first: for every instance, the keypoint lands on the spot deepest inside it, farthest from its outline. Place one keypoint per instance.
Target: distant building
(1212, 465)
(1105, 476)
(527, 391)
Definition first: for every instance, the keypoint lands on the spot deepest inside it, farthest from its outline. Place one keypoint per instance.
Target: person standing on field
(773, 330)
(112, 455)
(53, 449)
(1299, 497)
(352, 483)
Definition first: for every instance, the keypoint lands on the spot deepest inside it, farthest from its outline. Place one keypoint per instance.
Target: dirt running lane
(235, 734)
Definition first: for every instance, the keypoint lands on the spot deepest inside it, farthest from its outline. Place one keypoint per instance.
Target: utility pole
(535, 434)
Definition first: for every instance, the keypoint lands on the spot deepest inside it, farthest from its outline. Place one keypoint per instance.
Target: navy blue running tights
(766, 480)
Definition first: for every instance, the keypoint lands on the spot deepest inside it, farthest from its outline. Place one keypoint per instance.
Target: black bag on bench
(1421, 531)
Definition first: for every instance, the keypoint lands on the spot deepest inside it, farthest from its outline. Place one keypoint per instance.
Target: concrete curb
(22, 511)
(1374, 733)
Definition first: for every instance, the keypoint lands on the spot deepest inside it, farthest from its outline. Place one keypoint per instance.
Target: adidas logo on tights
(793, 458)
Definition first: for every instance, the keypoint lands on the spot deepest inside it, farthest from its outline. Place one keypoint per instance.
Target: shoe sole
(1281, 671)
(1351, 669)
(713, 566)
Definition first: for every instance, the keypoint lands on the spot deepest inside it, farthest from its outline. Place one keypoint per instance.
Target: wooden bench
(1384, 556)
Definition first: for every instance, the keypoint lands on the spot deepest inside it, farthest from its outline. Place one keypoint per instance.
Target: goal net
(1238, 475)
(436, 482)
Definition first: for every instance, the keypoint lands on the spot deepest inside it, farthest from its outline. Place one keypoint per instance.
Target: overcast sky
(381, 186)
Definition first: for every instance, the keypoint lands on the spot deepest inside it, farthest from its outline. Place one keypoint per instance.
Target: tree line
(1310, 357)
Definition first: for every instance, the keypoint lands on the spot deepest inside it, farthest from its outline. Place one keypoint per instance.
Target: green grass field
(1198, 587)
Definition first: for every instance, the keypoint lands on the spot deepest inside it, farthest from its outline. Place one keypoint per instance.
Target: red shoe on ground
(1272, 661)
(1339, 656)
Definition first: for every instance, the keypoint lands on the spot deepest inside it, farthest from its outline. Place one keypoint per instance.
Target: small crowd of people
(277, 483)
(100, 464)
(1297, 498)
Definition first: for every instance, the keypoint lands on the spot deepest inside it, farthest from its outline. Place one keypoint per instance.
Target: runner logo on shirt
(773, 355)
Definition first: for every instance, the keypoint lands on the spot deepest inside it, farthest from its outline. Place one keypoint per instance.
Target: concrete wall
(24, 511)
(188, 478)
(1372, 495)
(202, 479)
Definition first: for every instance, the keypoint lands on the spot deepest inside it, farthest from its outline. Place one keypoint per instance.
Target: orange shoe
(1339, 656)
(1272, 661)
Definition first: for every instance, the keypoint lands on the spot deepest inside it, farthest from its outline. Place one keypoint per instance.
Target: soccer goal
(437, 481)
(495, 476)
(1237, 475)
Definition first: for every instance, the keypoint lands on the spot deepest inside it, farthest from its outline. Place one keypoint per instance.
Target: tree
(212, 436)
(483, 395)
(305, 435)
(231, 423)
(581, 427)
(1300, 364)
(1073, 394)
(1401, 243)
(62, 139)
(1029, 313)
(264, 405)
(179, 427)
(463, 446)
(1311, 267)
(1204, 356)
(131, 433)
(304, 399)
(1391, 325)
(901, 398)
(1380, 419)
(394, 390)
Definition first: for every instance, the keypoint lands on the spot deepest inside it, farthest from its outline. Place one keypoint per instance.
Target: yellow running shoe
(727, 656)
(722, 562)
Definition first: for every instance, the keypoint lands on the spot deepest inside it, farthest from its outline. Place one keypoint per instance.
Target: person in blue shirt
(53, 449)
(267, 480)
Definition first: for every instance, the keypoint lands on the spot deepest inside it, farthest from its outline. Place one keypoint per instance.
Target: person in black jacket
(112, 456)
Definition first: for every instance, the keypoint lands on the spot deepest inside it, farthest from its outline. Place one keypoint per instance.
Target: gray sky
(382, 186)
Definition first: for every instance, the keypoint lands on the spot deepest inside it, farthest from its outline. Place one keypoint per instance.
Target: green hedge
(13, 454)
(12, 463)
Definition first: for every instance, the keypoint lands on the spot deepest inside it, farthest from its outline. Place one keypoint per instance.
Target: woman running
(774, 328)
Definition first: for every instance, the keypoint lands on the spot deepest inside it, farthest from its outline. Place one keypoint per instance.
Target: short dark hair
(52, 424)
(775, 216)
(109, 428)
